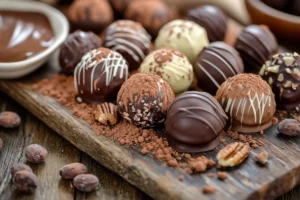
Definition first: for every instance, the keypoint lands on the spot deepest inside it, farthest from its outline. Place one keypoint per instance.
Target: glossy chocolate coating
(256, 45)
(23, 35)
(77, 45)
(194, 121)
(212, 19)
(130, 39)
(215, 64)
(99, 76)
(282, 72)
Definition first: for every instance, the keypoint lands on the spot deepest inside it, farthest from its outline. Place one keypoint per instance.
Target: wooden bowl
(284, 26)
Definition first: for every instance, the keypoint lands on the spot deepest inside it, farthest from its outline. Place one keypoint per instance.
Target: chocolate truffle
(76, 45)
(120, 6)
(172, 66)
(215, 64)
(248, 101)
(90, 15)
(144, 99)
(194, 121)
(185, 36)
(256, 45)
(282, 72)
(130, 39)
(152, 14)
(99, 76)
(212, 19)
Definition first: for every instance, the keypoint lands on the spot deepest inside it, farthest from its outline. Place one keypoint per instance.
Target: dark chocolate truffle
(99, 76)
(90, 15)
(130, 39)
(152, 14)
(282, 72)
(120, 6)
(194, 121)
(212, 19)
(144, 99)
(76, 45)
(215, 64)
(256, 45)
(248, 101)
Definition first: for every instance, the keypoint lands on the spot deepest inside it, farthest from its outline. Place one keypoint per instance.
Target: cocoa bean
(290, 127)
(71, 170)
(19, 167)
(9, 119)
(25, 181)
(35, 153)
(86, 182)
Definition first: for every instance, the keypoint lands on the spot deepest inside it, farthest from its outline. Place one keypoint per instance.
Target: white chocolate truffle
(172, 66)
(185, 36)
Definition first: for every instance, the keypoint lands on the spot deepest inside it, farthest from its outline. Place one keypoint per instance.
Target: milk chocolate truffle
(130, 39)
(282, 72)
(152, 14)
(76, 45)
(144, 99)
(194, 121)
(215, 64)
(248, 101)
(256, 45)
(212, 19)
(99, 76)
(90, 15)
(185, 36)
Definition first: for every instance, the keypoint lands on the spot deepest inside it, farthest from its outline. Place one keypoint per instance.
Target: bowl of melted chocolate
(30, 32)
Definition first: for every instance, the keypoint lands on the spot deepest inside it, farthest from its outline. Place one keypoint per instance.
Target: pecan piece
(262, 157)
(233, 154)
(107, 113)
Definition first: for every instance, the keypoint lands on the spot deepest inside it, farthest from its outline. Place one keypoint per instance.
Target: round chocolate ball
(152, 14)
(212, 19)
(282, 72)
(130, 39)
(90, 15)
(172, 66)
(144, 99)
(256, 44)
(99, 76)
(76, 45)
(185, 36)
(120, 6)
(215, 64)
(194, 122)
(248, 101)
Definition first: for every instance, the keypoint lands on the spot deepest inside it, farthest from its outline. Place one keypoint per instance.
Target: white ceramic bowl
(59, 25)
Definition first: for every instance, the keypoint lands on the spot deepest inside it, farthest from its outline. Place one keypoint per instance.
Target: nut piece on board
(222, 175)
(25, 181)
(71, 170)
(9, 119)
(208, 189)
(19, 167)
(290, 127)
(262, 157)
(35, 153)
(1, 144)
(106, 113)
(233, 154)
(86, 182)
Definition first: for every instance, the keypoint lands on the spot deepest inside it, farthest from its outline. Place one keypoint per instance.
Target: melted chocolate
(23, 35)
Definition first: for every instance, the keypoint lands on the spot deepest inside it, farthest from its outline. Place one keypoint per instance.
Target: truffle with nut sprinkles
(99, 76)
(282, 72)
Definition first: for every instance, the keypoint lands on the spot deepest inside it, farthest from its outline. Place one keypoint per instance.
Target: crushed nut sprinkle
(107, 113)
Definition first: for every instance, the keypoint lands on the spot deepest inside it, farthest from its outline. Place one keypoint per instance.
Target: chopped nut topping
(106, 113)
(274, 69)
(288, 70)
(270, 81)
(288, 61)
(262, 157)
(287, 84)
(280, 77)
(262, 71)
(294, 86)
(296, 74)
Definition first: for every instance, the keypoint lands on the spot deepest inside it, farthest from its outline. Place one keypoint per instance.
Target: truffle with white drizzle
(282, 72)
(248, 101)
(99, 76)
(130, 39)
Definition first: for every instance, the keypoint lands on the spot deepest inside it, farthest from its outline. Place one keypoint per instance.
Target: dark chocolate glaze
(194, 121)
(212, 19)
(215, 64)
(256, 45)
(23, 35)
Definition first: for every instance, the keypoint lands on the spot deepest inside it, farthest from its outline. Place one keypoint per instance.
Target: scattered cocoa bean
(222, 175)
(9, 119)
(25, 181)
(208, 189)
(19, 167)
(86, 182)
(262, 157)
(35, 153)
(1, 144)
(290, 127)
(71, 170)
